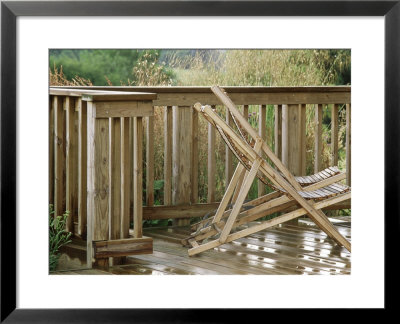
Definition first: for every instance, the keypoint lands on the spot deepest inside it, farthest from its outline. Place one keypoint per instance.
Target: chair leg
(240, 200)
(228, 192)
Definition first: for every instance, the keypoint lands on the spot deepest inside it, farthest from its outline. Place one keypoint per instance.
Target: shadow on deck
(285, 249)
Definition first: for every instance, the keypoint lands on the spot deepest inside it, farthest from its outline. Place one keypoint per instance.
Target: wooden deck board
(285, 249)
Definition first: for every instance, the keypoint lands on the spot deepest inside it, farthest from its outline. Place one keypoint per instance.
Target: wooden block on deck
(123, 247)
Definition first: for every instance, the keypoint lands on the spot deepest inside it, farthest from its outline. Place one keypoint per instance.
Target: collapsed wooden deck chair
(323, 191)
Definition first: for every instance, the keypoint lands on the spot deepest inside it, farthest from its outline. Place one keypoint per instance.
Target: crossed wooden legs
(263, 206)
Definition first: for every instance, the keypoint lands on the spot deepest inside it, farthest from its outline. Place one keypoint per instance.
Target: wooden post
(82, 166)
(150, 161)
(293, 138)
(181, 157)
(59, 157)
(348, 144)
(137, 177)
(334, 135)
(71, 187)
(278, 131)
(262, 133)
(211, 167)
(126, 178)
(195, 156)
(167, 155)
(318, 139)
(98, 185)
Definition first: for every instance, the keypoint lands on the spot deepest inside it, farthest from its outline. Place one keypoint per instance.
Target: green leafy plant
(58, 237)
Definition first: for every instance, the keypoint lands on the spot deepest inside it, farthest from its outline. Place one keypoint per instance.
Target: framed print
(31, 28)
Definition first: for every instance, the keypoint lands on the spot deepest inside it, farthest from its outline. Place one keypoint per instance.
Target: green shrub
(58, 237)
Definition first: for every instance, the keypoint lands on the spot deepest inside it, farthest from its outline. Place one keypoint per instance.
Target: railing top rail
(203, 89)
(91, 94)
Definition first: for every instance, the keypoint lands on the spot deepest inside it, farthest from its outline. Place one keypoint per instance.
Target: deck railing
(68, 145)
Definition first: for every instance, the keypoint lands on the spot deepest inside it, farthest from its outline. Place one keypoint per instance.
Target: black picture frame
(10, 10)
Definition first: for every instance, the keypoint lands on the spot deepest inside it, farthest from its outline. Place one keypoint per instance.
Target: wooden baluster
(71, 164)
(126, 178)
(262, 133)
(114, 170)
(278, 131)
(318, 139)
(137, 177)
(302, 139)
(211, 167)
(348, 144)
(228, 154)
(195, 156)
(82, 166)
(334, 135)
(150, 161)
(59, 156)
(51, 150)
(167, 155)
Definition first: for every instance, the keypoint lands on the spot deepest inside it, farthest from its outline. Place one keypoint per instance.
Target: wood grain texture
(82, 166)
(123, 247)
(150, 161)
(348, 144)
(262, 132)
(59, 156)
(195, 157)
(71, 163)
(211, 166)
(334, 134)
(51, 150)
(318, 139)
(278, 130)
(228, 153)
(126, 176)
(114, 215)
(137, 177)
(167, 156)
(123, 109)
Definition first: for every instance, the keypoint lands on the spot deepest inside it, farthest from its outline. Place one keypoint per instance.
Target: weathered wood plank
(51, 150)
(137, 177)
(167, 155)
(59, 156)
(181, 211)
(348, 144)
(228, 153)
(82, 166)
(114, 171)
(195, 157)
(318, 139)
(262, 132)
(150, 161)
(123, 247)
(211, 166)
(71, 163)
(97, 180)
(187, 99)
(278, 131)
(126, 178)
(123, 109)
(334, 134)
(293, 138)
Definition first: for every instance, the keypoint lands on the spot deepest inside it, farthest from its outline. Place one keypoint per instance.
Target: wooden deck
(286, 249)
